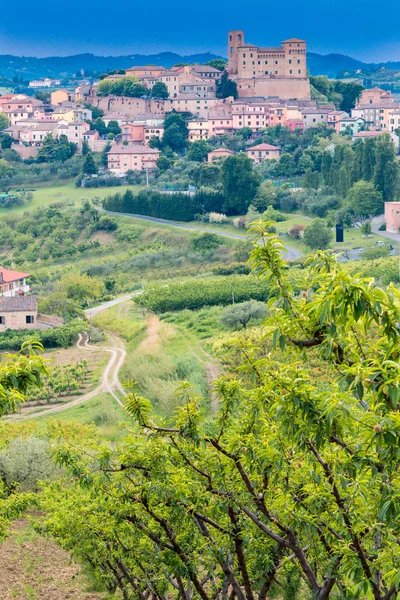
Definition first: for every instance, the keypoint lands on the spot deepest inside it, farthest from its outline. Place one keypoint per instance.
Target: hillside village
(260, 88)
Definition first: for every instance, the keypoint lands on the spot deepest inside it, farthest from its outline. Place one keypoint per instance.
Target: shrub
(271, 214)
(296, 232)
(214, 217)
(239, 222)
(25, 462)
(239, 315)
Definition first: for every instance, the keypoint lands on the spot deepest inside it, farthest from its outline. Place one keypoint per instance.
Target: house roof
(8, 276)
(147, 68)
(362, 134)
(294, 40)
(221, 149)
(264, 147)
(18, 303)
(132, 149)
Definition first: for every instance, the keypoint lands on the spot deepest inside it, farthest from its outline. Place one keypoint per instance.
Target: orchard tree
(317, 235)
(239, 315)
(291, 488)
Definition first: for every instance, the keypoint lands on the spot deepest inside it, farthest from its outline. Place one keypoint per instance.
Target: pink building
(295, 125)
(131, 157)
(263, 152)
(392, 216)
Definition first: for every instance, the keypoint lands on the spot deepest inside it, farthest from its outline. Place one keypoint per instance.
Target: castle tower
(235, 41)
(295, 58)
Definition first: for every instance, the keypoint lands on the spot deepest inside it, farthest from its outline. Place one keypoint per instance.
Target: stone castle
(268, 72)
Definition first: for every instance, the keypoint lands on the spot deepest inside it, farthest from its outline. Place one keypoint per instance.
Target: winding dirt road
(109, 382)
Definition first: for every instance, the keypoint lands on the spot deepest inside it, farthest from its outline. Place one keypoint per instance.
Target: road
(377, 222)
(109, 381)
(290, 254)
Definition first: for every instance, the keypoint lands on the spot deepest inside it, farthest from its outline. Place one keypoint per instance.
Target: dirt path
(109, 381)
(213, 372)
(36, 568)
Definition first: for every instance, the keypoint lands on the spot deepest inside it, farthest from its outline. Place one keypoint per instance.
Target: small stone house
(18, 312)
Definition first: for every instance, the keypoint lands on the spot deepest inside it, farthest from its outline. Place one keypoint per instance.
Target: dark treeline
(176, 206)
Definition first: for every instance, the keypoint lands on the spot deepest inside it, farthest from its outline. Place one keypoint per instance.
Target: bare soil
(36, 568)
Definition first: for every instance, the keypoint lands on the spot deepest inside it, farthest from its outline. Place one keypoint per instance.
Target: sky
(364, 29)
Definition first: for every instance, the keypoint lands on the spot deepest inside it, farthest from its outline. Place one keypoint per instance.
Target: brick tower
(235, 40)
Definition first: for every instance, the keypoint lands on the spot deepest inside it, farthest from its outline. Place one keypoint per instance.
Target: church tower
(235, 41)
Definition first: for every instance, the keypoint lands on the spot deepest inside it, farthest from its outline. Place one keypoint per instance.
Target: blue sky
(365, 29)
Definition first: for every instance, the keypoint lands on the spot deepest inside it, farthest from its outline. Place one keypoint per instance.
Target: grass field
(43, 196)
(159, 356)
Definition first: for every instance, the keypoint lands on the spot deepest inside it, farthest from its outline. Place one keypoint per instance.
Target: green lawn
(43, 196)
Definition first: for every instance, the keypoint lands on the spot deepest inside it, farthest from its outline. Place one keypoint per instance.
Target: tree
(311, 180)
(85, 148)
(175, 131)
(349, 92)
(295, 478)
(56, 149)
(217, 63)
(159, 90)
(386, 174)
(285, 167)
(240, 184)
(5, 168)
(317, 235)
(81, 288)
(163, 163)
(3, 121)
(198, 150)
(58, 304)
(375, 252)
(364, 201)
(114, 128)
(368, 159)
(226, 87)
(239, 315)
(89, 166)
(265, 196)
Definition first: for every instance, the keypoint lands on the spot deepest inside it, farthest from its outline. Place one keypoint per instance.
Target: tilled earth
(36, 568)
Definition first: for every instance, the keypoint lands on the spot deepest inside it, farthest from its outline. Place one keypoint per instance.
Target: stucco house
(135, 157)
(263, 152)
(18, 312)
(218, 153)
(13, 283)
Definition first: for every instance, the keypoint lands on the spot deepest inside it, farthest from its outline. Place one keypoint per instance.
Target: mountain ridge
(30, 67)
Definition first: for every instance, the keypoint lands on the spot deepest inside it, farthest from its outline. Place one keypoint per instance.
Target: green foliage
(56, 149)
(197, 293)
(175, 132)
(3, 121)
(240, 184)
(217, 63)
(176, 206)
(26, 461)
(89, 166)
(206, 242)
(271, 214)
(159, 90)
(124, 86)
(364, 201)
(198, 150)
(57, 337)
(294, 480)
(226, 87)
(317, 235)
(82, 289)
(239, 315)
(386, 175)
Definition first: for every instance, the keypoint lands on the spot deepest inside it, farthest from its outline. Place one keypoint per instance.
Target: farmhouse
(263, 152)
(13, 282)
(18, 312)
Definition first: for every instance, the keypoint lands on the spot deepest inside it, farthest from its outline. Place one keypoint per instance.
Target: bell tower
(235, 40)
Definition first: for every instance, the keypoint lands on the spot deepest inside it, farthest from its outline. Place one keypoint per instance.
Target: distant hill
(30, 67)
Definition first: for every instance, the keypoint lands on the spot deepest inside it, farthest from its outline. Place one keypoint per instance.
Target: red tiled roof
(9, 276)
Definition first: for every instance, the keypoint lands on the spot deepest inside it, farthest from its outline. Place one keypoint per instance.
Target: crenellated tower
(235, 41)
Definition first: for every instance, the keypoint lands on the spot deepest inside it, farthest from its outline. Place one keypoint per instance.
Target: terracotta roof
(222, 149)
(147, 68)
(296, 40)
(18, 303)
(264, 147)
(369, 133)
(8, 276)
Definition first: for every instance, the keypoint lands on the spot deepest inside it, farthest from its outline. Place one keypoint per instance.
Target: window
(29, 319)
(2, 320)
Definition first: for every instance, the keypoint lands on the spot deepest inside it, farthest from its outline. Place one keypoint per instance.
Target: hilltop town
(259, 88)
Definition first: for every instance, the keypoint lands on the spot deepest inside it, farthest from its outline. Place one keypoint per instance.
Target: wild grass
(159, 356)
